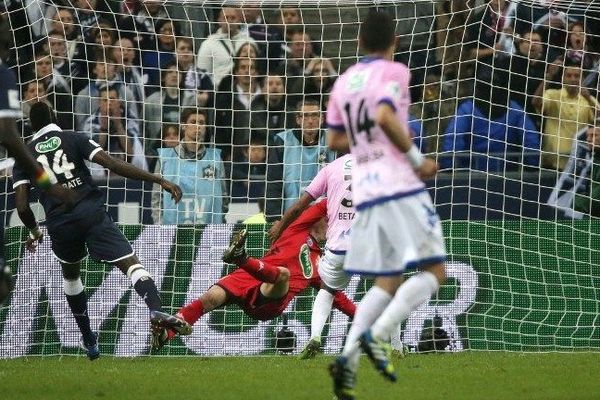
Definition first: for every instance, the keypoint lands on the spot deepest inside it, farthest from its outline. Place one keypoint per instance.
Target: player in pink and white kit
(396, 227)
(334, 181)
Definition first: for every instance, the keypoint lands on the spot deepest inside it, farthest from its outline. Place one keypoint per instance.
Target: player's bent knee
(284, 275)
(127, 263)
(215, 297)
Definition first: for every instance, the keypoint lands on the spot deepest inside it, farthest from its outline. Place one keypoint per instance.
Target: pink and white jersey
(381, 172)
(334, 181)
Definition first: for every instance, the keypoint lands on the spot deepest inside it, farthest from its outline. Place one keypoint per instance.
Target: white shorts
(331, 270)
(400, 234)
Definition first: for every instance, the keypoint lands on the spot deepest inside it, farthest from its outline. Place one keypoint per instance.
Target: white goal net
(228, 100)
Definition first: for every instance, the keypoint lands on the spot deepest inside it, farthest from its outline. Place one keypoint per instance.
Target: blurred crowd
(230, 101)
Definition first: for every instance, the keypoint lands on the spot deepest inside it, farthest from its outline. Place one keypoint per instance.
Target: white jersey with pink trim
(334, 181)
(381, 171)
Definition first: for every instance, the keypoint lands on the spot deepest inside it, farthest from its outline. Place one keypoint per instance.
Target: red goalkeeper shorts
(245, 290)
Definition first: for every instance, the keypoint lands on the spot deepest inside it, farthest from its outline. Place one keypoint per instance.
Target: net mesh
(228, 100)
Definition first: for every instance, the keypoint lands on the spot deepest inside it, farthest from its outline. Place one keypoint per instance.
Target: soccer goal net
(228, 100)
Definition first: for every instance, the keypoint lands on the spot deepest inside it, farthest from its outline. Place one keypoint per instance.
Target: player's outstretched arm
(290, 216)
(385, 117)
(27, 217)
(127, 170)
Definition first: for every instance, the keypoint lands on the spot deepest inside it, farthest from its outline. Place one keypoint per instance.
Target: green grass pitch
(469, 375)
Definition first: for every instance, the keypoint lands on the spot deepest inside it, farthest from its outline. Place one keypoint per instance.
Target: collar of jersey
(46, 129)
(369, 59)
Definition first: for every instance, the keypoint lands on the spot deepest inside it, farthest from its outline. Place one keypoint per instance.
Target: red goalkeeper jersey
(295, 250)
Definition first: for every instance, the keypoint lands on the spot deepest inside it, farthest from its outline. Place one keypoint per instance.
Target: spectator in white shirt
(218, 50)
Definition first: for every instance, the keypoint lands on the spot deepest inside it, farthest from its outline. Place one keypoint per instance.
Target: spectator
(269, 37)
(57, 87)
(216, 54)
(250, 50)
(116, 132)
(527, 68)
(577, 47)
(294, 159)
(565, 110)
(550, 23)
(289, 17)
(434, 110)
(78, 51)
(164, 52)
(86, 16)
(249, 175)
(199, 171)
(234, 97)
(103, 34)
(498, 138)
(293, 68)
(63, 22)
(86, 101)
(170, 136)
(191, 20)
(588, 202)
(319, 77)
(164, 106)
(490, 31)
(33, 92)
(192, 77)
(268, 110)
(57, 48)
(149, 12)
(128, 71)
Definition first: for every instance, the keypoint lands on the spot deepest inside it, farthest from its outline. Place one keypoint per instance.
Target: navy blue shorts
(96, 231)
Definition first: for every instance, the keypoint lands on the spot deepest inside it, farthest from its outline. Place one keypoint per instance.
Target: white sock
(370, 307)
(320, 312)
(136, 272)
(414, 292)
(72, 287)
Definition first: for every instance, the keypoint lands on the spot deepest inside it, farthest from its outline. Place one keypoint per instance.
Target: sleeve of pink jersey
(318, 186)
(334, 116)
(394, 91)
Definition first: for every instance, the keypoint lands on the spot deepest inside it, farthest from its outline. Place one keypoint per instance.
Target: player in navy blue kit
(10, 110)
(87, 224)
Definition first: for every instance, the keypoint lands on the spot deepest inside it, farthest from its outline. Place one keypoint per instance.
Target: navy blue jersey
(63, 156)
(10, 107)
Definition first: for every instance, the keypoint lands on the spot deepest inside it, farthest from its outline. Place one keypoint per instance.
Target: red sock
(261, 271)
(192, 312)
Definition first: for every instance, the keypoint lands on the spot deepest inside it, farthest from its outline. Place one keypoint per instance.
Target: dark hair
(108, 88)
(570, 63)
(185, 114)
(166, 127)
(307, 101)
(40, 115)
(377, 31)
(164, 70)
(161, 22)
(238, 60)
